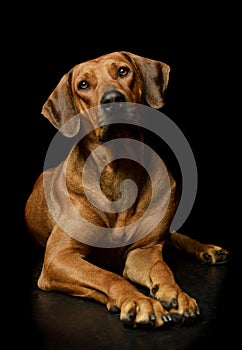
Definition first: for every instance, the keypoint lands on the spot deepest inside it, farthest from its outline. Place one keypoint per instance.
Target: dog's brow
(86, 69)
(86, 75)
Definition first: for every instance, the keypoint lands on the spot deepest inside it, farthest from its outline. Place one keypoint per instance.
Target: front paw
(142, 311)
(180, 305)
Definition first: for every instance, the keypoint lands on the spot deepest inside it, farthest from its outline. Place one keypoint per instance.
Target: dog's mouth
(119, 130)
(119, 120)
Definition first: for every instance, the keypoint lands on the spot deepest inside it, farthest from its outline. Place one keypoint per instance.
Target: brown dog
(99, 272)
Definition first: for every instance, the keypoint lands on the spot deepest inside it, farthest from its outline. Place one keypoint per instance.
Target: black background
(201, 53)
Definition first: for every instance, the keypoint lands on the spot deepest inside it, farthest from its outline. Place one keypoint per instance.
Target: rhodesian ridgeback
(74, 263)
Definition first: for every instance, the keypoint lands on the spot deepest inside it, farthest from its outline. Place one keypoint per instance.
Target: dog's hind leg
(207, 253)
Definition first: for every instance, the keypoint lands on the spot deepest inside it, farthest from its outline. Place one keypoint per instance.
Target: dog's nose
(112, 96)
(109, 98)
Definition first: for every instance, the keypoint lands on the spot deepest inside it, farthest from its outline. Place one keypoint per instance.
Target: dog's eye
(123, 71)
(83, 85)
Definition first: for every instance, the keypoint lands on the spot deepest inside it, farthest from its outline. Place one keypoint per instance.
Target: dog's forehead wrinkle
(92, 73)
(85, 71)
(86, 74)
(114, 64)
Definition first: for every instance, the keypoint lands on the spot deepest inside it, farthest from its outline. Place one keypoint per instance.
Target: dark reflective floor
(59, 321)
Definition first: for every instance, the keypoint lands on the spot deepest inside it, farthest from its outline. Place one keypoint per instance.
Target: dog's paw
(212, 254)
(142, 312)
(180, 306)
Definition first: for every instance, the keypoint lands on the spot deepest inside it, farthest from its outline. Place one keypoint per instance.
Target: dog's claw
(165, 305)
(176, 318)
(192, 315)
(129, 320)
(152, 317)
(147, 323)
(165, 318)
(174, 304)
(114, 309)
(186, 314)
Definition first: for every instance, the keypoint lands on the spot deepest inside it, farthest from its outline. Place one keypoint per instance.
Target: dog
(95, 91)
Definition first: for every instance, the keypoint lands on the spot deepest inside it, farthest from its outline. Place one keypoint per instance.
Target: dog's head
(106, 82)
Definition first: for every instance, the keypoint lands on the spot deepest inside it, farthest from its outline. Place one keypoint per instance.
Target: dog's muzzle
(116, 116)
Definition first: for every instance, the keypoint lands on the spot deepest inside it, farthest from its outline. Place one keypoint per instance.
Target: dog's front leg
(66, 270)
(146, 267)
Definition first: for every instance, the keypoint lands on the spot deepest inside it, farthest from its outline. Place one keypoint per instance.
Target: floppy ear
(155, 76)
(60, 109)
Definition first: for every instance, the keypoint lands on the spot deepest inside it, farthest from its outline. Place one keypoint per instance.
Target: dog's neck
(104, 183)
(103, 168)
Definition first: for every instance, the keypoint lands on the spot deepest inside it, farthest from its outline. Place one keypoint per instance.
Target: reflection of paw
(212, 254)
(181, 306)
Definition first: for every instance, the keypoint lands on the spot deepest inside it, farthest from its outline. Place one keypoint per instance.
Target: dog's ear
(155, 76)
(60, 110)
